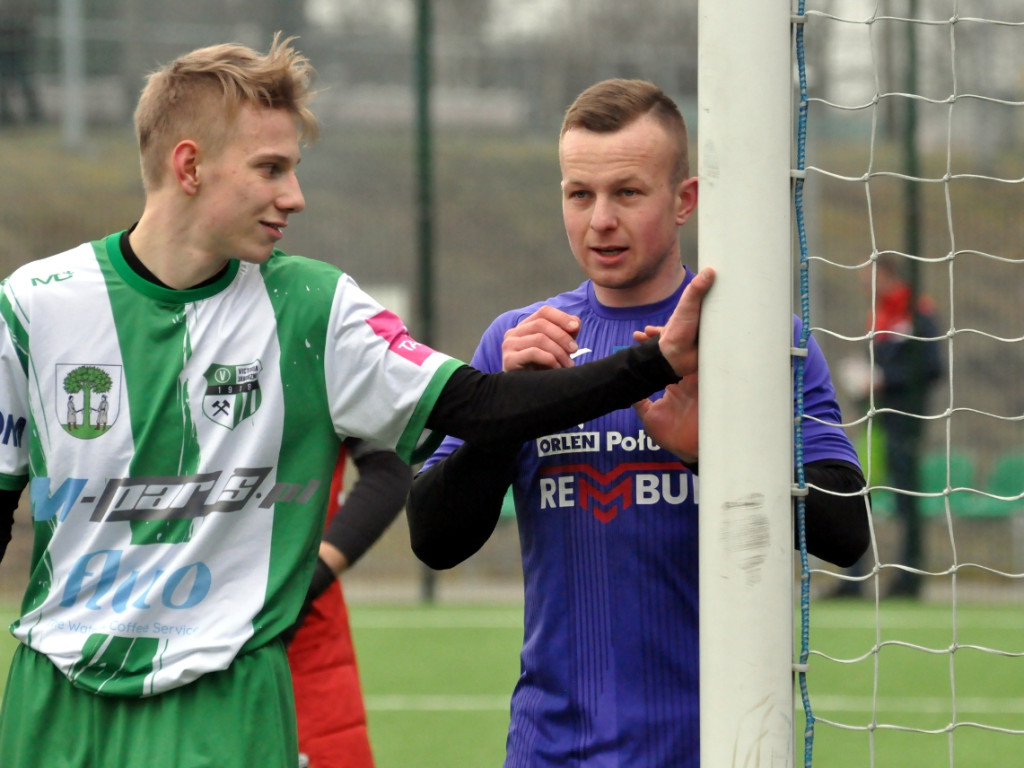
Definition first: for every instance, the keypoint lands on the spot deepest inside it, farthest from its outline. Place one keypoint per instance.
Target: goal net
(901, 250)
(909, 115)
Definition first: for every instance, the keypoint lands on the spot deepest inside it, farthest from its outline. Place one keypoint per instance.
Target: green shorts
(239, 718)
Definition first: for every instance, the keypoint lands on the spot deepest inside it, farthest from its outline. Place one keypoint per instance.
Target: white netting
(914, 115)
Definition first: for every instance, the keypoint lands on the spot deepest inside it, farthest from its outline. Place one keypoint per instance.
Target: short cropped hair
(198, 95)
(612, 105)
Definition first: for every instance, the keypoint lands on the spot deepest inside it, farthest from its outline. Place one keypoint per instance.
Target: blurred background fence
(502, 73)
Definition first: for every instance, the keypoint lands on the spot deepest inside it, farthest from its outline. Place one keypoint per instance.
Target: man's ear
(687, 199)
(184, 162)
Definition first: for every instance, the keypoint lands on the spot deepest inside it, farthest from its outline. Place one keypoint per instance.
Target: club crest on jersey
(88, 398)
(232, 393)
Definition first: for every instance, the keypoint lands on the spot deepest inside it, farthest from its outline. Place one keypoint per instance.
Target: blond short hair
(198, 95)
(612, 105)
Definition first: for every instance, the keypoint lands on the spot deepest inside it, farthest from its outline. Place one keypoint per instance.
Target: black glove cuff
(323, 577)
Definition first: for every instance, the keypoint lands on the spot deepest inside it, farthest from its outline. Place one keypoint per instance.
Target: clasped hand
(547, 339)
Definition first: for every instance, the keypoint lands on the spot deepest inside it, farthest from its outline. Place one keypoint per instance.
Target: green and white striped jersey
(178, 447)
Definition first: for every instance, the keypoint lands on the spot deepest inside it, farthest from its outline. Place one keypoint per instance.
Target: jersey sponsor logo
(88, 398)
(54, 278)
(176, 498)
(101, 578)
(606, 494)
(390, 327)
(232, 393)
(590, 442)
(569, 442)
(172, 497)
(11, 429)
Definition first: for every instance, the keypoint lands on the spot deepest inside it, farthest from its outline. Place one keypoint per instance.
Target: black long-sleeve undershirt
(454, 507)
(837, 527)
(8, 503)
(496, 413)
(495, 409)
(371, 505)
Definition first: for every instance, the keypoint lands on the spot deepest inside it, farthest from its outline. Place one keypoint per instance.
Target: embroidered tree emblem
(88, 379)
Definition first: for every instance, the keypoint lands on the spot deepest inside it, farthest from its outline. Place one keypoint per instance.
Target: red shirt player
(328, 699)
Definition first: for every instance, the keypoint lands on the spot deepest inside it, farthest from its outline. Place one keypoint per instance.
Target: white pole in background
(72, 38)
(746, 396)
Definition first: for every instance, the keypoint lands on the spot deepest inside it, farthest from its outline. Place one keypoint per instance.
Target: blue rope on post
(805, 573)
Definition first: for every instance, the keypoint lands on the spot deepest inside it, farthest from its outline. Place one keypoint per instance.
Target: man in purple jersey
(607, 509)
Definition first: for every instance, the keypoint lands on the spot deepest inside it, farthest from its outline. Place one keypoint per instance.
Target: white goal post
(744, 134)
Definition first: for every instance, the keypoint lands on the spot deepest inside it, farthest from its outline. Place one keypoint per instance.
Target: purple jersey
(608, 530)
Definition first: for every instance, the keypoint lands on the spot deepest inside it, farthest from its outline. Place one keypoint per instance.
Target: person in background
(329, 706)
(907, 363)
(17, 61)
(175, 546)
(607, 508)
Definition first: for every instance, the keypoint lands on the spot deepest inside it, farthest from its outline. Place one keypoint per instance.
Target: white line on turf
(924, 704)
(436, 703)
(821, 704)
(399, 619)
(489, 618)
(936, 618)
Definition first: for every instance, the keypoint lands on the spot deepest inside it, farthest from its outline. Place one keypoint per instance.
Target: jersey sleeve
(381, 383)
(14, 402)
(486, 358)
(823, 435)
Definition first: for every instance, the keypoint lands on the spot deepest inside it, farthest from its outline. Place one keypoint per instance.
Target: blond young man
(175, 545)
